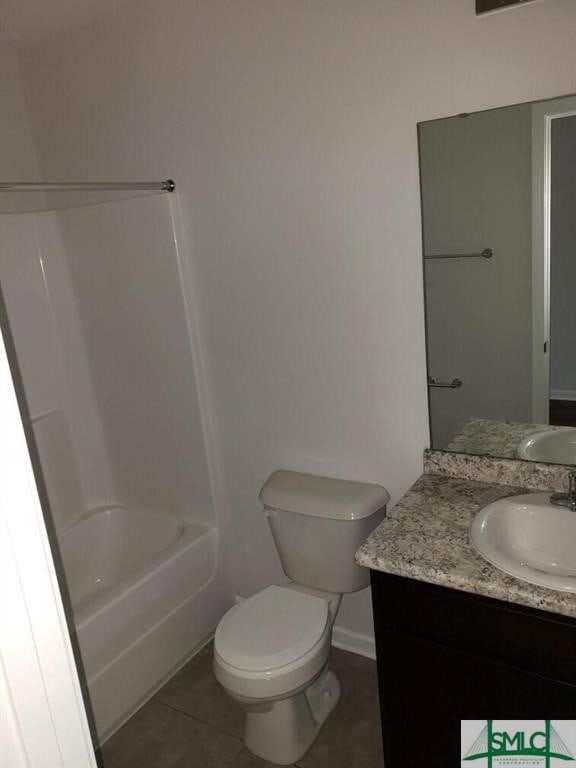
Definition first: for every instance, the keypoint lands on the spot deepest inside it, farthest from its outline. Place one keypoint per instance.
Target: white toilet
(271, 651)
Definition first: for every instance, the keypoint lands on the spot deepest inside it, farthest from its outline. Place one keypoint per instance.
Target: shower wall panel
(30, 314)
(125, 274)
(51, 354)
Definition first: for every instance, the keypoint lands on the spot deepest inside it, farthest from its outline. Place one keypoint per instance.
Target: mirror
(498, 195)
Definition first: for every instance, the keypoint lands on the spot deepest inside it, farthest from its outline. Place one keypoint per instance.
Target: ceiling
(26, 22)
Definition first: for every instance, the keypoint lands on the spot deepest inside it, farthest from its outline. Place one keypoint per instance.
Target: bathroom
(290, 130)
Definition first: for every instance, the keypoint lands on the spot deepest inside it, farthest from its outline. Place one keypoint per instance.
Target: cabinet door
(427, 688)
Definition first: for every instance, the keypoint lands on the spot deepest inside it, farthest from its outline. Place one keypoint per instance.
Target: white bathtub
(108, 548)
(144, 598)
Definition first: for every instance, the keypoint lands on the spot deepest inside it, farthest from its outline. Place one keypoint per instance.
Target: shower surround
(97, 309)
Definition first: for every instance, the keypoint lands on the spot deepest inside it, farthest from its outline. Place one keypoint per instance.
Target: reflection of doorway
(563, 272)
(554, 261)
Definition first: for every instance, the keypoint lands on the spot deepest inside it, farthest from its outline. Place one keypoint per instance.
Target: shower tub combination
(138, 590)
(117, 420)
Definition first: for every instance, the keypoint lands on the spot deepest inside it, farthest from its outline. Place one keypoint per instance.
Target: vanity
(457, 638)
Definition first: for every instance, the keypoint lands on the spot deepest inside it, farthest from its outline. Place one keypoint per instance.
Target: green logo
(544, 743)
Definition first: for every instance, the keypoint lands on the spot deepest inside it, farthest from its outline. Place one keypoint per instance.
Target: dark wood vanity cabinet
(445, 655)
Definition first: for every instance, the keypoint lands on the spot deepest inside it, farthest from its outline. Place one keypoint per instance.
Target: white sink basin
(529, 538)
(555, 445)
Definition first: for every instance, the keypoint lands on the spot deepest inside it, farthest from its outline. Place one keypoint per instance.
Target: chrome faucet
(567, 499)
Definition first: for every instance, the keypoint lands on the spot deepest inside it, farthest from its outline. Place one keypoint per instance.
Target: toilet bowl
(271, 651)
(271, 656)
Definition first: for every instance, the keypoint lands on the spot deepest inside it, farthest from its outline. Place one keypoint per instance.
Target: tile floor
(191, 723)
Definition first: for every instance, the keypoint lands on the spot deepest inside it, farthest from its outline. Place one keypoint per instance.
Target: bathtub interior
(107, 546)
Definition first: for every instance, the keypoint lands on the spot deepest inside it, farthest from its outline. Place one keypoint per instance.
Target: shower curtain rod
(85, 186)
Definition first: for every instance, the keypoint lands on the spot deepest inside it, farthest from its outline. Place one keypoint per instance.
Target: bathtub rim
(188, 532)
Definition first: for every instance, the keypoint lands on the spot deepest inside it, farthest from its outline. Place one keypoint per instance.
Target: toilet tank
(318, 523)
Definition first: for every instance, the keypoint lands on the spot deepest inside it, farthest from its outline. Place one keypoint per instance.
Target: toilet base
(283, 731)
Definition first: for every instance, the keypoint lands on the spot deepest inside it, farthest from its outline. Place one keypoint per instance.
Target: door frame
(42, 713)
(542, 115)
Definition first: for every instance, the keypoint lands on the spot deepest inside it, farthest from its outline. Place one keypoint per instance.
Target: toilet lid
(271, 629)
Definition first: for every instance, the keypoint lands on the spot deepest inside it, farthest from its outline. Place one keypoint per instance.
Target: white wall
(290, 128)
(563, 260)
(477, 193)
(18, 159)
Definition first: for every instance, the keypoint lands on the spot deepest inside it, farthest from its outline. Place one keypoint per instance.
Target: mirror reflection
(499, 236)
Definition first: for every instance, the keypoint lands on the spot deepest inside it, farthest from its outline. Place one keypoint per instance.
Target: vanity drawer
(538, 642)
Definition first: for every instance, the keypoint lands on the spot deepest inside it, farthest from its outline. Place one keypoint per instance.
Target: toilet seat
(272, 645)
(271, 630)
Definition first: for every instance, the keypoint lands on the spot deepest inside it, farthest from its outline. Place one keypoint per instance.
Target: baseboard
(354, 642)
(562, 394)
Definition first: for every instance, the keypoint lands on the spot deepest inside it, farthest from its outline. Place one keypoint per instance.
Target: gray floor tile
(195, 691)
(247, 760)
(351, 735)
(160, 737)
(344, 660)
(192, 722)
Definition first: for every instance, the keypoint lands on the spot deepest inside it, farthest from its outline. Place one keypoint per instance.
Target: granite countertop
(494, 438)
(425, 536)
